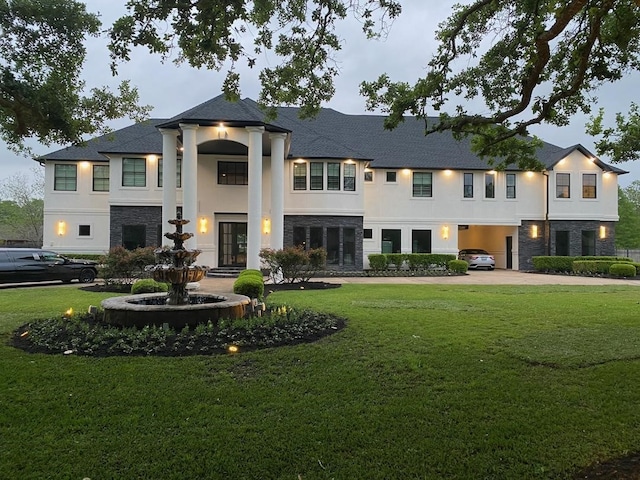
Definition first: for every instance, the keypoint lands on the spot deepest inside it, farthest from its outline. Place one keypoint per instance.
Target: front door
(509, 253)
(232, 241)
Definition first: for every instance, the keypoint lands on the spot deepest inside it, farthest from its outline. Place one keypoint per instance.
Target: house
(338, 181)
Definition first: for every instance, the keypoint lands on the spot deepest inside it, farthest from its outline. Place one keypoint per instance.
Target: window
(316, 181)
(562, 185)
(368, 175)
(178, 173)
(421, 241)
(368, 233)
(511, 185)
(349, 180)
(84, 230)
(589, 185)
(333, 176)
(349, 246)
(562, 242)
(134, 236)
(101, 178)
(588, 242)
(299, 237)
(489, 185)
(468, 185)
(66, 178)
(233, 173)
(391, 241)
(299, 176)
(333, 246)
(315, 237)
(134, 172)
(422, 186)
(391, 177)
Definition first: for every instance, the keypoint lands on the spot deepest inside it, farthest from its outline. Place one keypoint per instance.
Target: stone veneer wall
(307, 221)
(150, 217)
(545, 243)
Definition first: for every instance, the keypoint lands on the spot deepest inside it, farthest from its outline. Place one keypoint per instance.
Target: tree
(628, 227)
(41, 57)
(22, 207)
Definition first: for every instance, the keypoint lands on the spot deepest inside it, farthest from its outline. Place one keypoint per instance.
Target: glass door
(232, 241)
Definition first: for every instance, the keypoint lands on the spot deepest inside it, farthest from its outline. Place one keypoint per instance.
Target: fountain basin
(151, 309)
(179, 275)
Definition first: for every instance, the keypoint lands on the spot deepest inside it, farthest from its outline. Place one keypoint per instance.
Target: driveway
(473, 277)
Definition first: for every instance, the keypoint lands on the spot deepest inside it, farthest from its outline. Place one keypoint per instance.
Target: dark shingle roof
(329, 135)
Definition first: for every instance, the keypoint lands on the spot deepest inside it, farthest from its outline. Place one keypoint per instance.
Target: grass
(428, 381)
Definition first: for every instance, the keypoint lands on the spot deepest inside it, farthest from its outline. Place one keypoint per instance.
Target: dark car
(477, 258)
(37, 265)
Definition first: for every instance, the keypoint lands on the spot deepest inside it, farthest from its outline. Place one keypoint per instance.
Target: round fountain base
(151, 309)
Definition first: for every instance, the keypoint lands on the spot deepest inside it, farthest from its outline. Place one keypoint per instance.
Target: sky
(403, 54)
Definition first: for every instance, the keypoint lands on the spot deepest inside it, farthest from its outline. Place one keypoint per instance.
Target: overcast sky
(403, 55)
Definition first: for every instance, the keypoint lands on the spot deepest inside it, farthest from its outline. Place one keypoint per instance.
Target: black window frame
(63, 180)
(510, 189)
(563, 189)
(233, 173)
(589, 191)
(299, 176)
(178, 173)
(316, 175)
(467, 185)
(99, 185)
(349, 177)
(391, 176)
(489, 185)
(333, 179)
(424, 188)
(84, 230)
(135, 177)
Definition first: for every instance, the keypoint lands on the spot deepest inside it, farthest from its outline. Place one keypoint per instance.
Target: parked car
(477, 258)
(37, 265)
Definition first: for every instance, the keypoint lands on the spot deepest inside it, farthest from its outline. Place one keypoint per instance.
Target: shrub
(251, 272)
(592, 267)
(294, 264)
(458, 266)
(396, 259)
(124, 267)
(250, 285)
(553, 264)
(622, 270)
(378, 262)
(148, 285)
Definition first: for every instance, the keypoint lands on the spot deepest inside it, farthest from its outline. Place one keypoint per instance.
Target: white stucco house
(338, 181)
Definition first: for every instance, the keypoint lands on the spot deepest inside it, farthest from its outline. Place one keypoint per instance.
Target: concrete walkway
(479, 277)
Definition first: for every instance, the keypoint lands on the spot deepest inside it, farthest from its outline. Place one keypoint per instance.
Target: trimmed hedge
(148, 285)
(622, 270)
(565, 264)
(458, 266)
(395, 259)
(593, 267)
(250, 285)
(415, 261)
(378, 262)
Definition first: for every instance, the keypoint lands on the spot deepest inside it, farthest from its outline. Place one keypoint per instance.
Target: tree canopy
(42, 95)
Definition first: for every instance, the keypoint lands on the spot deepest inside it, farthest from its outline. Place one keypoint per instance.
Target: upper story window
(233, 173)
(316, 181)
(65, 178)
(333, 176)
(101, 178)
(422, 184)
(489, 185)
(589, 185)
(563, 181)
(368, 175)
(299, 176)
(178, 173)
(468, 185)
(511, 185)
(349, 180)
(134, 172)
(392, 176)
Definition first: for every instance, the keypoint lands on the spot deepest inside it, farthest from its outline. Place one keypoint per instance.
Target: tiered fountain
(178, 308)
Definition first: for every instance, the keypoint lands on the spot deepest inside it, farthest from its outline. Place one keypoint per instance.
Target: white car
(477, 258)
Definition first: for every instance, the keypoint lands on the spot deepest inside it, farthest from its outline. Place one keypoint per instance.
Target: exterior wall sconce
(530, 174)
(203, 225)
(448, 172)
(445, 232)
(266, 226)
(603, 231)
(534, 231)
(222, 131)
(152, 158)
(84, 165)
(406, 171)
(62, 228)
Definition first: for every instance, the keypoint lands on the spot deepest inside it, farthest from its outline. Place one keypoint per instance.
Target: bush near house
(415, 261)
(623, 270)
(378, 262)
(395, 259)
(123, 267)
(250, 285)
(295, 264)
(564, 264)
(148, 285)
(458, 266)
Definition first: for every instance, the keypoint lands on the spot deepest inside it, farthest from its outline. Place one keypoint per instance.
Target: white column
(254, 214)
(277, 190)
(169, 167)
(190, 181)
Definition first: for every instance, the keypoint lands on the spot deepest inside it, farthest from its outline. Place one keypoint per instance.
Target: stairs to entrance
(224, 272)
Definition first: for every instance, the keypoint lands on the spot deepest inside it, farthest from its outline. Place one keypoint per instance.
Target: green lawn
(430, 381)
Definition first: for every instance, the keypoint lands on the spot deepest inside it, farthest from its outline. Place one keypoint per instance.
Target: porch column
(254, 214)
(169, 170)
(190, 181)
(277, 190)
